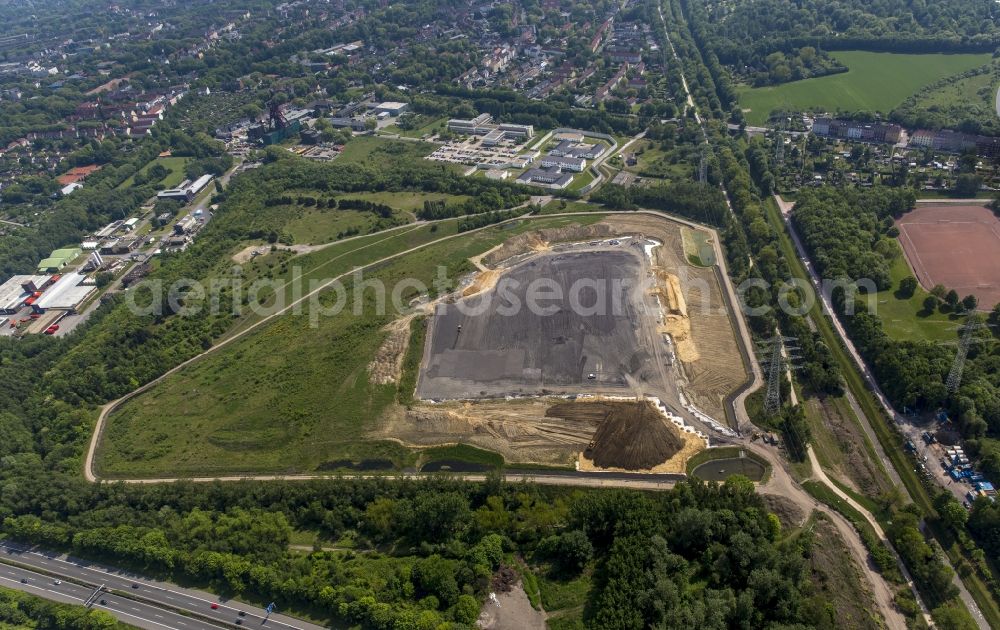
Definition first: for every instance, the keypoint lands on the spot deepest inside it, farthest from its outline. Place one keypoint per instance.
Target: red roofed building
(77, 174)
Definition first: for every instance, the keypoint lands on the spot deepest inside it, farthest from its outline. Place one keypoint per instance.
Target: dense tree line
(754, 234)
(22, 610)
(850, 233)
(422, 553)
(699, 202)
(773, 41)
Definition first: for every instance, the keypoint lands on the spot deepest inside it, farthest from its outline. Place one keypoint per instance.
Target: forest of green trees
(422, 553)
(774, 41)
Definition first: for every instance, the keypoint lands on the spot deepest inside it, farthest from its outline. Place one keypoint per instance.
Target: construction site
(600, 347)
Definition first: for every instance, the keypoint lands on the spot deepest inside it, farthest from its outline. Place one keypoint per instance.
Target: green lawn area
(565, 600)
(364, 148)
(904, 318)
(173, 164)
(654, 162)
(698, 247)
(580, 180)
(323, 226)
(426, 126)
(556, 206)
(411, 201)
(295, 393)
(875, 82)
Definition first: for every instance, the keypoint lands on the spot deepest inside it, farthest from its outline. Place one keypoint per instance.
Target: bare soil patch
(519, 430)
(541, 240)
(387, 365)
(510, 610)
(787, 511)
(955, 246)
(528, 431)
(250, 252)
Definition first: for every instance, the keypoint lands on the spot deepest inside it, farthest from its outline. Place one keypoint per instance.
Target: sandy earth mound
(631, 435)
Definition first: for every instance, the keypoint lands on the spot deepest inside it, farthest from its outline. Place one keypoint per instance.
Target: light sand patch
(387, 366)
(676, 322)
(483, 281)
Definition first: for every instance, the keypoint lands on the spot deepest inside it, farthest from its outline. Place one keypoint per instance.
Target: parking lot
(471, 152)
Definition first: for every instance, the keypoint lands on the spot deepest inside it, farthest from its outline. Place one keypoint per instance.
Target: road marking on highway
(104, 571)
(155, 623)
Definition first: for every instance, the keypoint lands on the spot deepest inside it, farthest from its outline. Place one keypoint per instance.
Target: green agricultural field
(875, 82)
(294, 394)
(905, 318)
(173, 164)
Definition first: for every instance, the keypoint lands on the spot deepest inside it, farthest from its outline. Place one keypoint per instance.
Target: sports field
(957, 246)
(875, 82)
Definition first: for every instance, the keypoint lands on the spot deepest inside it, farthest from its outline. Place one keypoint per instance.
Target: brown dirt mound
(631, 435)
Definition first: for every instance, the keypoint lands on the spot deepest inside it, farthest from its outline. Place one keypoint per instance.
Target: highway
(136, 613)
(150, 599)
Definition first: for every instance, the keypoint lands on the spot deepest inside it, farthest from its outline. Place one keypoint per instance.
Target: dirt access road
(781, 484)
(866, 374)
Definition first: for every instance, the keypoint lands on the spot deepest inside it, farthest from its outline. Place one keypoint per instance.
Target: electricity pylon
(775, 366)
(973, 324)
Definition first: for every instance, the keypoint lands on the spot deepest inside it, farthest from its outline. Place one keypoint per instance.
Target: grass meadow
(874, 82)
(905, 318)
(290, 396)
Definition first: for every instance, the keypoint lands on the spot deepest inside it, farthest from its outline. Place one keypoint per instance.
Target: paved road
(136, 613)
(156, 594)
